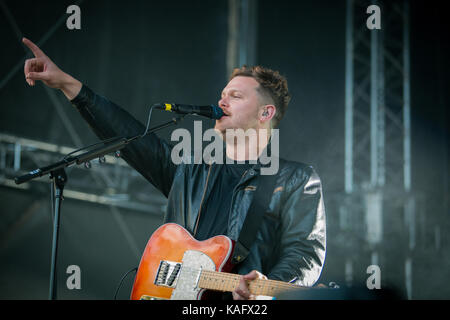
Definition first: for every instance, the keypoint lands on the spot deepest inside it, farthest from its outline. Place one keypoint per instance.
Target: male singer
(211, 199)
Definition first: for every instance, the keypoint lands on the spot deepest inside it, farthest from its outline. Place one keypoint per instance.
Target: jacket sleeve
(303, 234)
(150, 156)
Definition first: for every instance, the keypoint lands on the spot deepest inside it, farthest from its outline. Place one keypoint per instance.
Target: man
(209, 198)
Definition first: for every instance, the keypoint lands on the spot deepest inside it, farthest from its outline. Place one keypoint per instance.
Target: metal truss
(123, 188)
(378, 99)
(377, 124)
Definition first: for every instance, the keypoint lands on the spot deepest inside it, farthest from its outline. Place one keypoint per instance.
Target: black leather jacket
(290, 244)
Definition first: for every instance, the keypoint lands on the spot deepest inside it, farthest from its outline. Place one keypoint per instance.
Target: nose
(223, 102)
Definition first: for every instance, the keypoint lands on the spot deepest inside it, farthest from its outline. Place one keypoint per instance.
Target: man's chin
(220, 130)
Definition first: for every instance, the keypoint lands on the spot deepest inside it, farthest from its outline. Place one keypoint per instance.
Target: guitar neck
(221, 281)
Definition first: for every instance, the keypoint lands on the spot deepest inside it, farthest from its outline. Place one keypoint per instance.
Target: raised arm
(42, 68)
(150, 156)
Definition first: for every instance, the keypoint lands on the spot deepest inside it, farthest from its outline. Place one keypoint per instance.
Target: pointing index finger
(34, 48)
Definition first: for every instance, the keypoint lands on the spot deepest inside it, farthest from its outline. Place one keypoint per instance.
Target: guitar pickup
(167, 274)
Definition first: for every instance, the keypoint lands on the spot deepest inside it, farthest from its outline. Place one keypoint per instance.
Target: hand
(42, 68)
(242, 291)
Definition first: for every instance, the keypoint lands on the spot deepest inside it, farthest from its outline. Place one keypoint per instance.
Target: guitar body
(168, 264)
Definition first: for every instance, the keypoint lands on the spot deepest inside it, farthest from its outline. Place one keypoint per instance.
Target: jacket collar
(256, 166)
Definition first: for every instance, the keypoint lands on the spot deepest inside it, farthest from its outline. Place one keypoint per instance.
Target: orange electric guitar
(176, 266)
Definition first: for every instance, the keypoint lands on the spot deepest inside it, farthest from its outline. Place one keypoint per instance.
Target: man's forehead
(241, 83)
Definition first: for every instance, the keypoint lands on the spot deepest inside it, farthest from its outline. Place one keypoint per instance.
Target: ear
(267, 112)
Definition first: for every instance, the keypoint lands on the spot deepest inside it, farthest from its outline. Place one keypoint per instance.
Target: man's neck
(247, 147)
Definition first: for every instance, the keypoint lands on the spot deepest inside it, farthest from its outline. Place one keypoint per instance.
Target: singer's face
(241, 104)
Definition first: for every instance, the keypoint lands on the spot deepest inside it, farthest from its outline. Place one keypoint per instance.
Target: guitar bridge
(167, 274)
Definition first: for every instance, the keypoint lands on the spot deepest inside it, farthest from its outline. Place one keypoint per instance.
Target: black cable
(121, 280)
(113, 138)
(148, 120)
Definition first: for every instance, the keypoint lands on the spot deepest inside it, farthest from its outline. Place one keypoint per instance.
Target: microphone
(212, 112)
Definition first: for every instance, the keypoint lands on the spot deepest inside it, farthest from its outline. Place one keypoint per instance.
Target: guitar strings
(230, 279)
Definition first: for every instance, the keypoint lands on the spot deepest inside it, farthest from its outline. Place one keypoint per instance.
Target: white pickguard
(187, 283)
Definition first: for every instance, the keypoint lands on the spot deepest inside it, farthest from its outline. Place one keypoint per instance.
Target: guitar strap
(259, 205)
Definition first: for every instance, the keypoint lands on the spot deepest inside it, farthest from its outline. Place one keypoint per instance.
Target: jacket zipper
(201, 202)
(234, 191)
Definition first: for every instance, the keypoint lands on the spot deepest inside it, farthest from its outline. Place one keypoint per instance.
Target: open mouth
(225, 115)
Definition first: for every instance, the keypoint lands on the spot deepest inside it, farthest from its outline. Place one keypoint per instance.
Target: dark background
(138, 53)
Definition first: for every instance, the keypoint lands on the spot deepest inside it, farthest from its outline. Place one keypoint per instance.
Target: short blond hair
(273, 88)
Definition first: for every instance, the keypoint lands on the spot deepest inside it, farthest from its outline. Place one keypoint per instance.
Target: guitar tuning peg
(87, 165)
(117, 154)
(102, 159)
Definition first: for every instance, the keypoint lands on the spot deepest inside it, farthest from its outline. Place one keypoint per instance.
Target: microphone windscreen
(217, 112)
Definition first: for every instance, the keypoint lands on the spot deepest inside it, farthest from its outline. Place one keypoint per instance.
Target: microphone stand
(59, 176)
